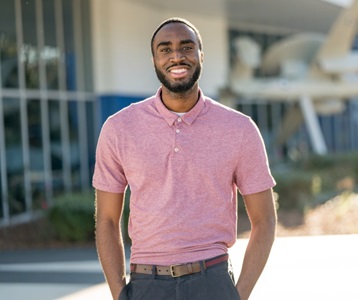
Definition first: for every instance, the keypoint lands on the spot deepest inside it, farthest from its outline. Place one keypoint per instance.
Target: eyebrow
(183, 42)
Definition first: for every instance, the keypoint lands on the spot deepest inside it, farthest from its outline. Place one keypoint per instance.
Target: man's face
(177, 58)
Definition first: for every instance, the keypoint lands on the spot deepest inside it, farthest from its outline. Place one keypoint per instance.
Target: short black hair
(176, 20)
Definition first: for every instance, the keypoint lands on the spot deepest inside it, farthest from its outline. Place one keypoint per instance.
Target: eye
(187, 48)
(165, 50)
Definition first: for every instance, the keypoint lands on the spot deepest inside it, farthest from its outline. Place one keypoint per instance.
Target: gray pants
(214, 283)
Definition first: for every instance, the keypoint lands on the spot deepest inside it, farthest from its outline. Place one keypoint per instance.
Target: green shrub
(346, 162)
(335, 171)
(72, 217)
(294, 190)
(315, 179)
(319, 162)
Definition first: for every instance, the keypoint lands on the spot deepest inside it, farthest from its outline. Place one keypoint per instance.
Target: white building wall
(121, 46)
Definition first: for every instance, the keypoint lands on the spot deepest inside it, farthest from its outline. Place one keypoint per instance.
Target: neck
(180, 102)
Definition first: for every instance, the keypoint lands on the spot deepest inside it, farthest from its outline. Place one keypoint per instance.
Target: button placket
(178, 125)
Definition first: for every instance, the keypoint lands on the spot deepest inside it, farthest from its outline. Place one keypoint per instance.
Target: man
(184, 156)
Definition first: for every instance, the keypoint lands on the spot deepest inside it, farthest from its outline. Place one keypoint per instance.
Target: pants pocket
(124, 295)
(232, 283)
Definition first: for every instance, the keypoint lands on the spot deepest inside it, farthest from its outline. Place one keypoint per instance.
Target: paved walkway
(310, 268)
(47, 274)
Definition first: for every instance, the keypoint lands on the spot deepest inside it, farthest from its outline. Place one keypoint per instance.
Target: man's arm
(109, 239)
(262, 214)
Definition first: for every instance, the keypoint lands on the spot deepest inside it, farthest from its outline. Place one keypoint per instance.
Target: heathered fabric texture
(183, 173)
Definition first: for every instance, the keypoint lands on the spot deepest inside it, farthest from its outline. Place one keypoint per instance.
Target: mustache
(178, 65)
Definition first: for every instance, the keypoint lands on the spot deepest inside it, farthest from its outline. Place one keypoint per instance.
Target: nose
(178, 55)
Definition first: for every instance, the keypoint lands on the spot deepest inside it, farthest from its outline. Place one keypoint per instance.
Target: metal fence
(340, 131)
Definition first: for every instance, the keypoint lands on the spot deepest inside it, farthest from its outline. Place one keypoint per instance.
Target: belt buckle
(172, 270)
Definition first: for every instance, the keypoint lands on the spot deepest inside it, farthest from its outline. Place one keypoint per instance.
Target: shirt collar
(171, 117)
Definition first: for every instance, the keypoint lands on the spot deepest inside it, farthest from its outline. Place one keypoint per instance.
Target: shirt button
(179, 119)
(177, 131)
(176, 149)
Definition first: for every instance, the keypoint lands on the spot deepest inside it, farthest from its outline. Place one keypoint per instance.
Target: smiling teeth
(178, 71)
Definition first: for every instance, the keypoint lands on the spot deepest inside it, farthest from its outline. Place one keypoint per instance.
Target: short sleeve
(252, 173)
(108, 172)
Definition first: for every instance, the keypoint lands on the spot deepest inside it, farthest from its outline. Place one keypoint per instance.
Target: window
(46, 103)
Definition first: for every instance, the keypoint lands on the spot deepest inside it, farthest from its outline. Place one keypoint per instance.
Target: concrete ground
(310, 268)
(323, 267)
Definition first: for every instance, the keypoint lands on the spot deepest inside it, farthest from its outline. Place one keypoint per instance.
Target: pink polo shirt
(183, 173)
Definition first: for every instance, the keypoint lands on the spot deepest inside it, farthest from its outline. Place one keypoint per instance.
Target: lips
(178, 71)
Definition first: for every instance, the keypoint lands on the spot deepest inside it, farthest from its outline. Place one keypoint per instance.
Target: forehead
(175, 32)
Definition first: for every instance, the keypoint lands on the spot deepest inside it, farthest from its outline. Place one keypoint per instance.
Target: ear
(201, 56)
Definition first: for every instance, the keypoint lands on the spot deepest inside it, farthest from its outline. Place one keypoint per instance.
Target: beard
(179, 87)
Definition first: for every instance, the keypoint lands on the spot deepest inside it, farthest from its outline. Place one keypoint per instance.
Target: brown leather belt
(178, 270)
